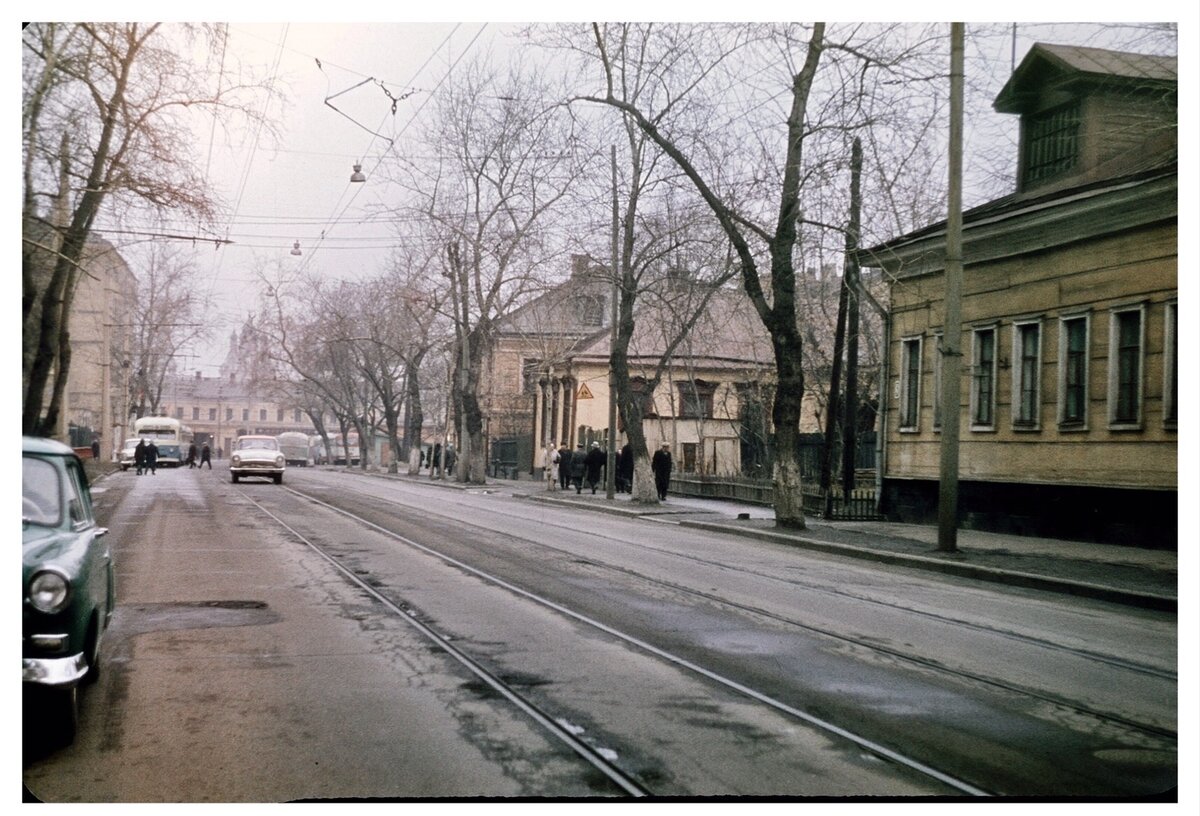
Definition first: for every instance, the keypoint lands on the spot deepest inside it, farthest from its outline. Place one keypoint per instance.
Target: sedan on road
(257, 456)
(69, 588)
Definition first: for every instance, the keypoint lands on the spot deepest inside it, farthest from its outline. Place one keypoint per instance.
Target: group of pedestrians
(439, 458)
(574, 468)
(205, 456)
(145, 457)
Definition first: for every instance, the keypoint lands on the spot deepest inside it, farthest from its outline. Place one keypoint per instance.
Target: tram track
(827, 590)
(868, 745)
(630, 786)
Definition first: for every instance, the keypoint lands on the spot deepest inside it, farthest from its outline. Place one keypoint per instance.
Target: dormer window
(1051, 143)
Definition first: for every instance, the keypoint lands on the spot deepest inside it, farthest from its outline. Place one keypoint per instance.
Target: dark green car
(69, 593)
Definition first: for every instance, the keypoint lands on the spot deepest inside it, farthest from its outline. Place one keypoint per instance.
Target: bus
(339, 448)
(170, 436)
(294, 447)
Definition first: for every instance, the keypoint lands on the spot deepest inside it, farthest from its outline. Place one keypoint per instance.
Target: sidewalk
(1128, 575)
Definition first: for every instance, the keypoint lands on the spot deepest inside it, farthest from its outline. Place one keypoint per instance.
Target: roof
(1084, 63)
(45, 447)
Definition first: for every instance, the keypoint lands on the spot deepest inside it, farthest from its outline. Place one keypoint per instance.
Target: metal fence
(859, 506)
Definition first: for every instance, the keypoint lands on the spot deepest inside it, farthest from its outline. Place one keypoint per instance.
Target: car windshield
(41, 492)
(258, 442)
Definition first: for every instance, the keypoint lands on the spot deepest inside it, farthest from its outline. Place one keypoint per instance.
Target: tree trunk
(850, 282)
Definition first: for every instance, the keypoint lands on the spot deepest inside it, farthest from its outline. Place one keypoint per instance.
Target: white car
(127, 453)
(257, 456)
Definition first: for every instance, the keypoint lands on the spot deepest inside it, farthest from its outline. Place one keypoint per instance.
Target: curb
(1144, 600)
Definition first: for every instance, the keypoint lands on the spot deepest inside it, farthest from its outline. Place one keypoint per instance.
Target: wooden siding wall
(1137, 267)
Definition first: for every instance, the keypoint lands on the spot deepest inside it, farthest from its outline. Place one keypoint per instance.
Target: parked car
(257, 456)
(127, 453)
(68, 584)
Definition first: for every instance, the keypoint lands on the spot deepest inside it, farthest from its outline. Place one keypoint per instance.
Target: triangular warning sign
(584, 393)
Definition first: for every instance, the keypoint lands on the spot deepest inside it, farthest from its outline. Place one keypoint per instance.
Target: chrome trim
(57, 671)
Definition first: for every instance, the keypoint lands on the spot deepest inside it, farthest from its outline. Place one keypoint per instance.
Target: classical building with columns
(548, 379)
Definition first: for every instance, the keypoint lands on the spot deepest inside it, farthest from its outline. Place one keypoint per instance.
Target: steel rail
(865, 744)
(610, 770)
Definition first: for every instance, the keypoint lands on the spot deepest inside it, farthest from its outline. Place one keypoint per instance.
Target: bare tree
(104, 124)
(504, 161)
(170, 316)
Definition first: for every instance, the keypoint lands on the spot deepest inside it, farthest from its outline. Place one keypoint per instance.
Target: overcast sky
(299, 189)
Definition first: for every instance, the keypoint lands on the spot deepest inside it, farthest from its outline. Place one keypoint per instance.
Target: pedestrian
(451, 458)
(421, 461)
(205, 456)
(192, 456)
(595, 462)
(220, 455)
(625, 469)
(661, 465)
(139, 456)
(96, 448)
(564, 467)
(435, 460)
(152, 457)
(578, 467)
(550, 466)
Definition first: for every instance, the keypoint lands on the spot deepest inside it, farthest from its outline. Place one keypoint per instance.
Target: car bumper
(54, 671)
(256, 470)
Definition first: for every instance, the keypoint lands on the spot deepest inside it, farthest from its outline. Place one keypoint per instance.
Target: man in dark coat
(595, 462)
(564, 467)
(205, 456)
(578, 467)
(192, 455)
(625, 470)
(152, 457)
(139, 456)
(95, 447)
(661, 465)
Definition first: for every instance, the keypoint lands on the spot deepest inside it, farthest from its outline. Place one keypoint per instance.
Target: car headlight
(278, 461)
(48, 591)
(237, 460)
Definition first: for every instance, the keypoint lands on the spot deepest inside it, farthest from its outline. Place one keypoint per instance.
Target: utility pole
(952, 331)
(610, 469)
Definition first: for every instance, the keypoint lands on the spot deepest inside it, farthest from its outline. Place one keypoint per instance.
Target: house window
(688, 449)
(530, 376)
(296, 415)
(937, 381)
(279, 415)
(589, 310)
(1072, 372)
(1051, 142)
(179, 412)
(983, 379)
(1171, 367)
(1125, 368)
(696, 399)
(910, 383)
(245, 415)
(1026, 388)
(195, 412)
(228, 414)
(212, 414)
(262, 414)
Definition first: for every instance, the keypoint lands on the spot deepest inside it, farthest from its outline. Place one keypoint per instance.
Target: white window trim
(1170, 338)
(1113, 366)
(1017, 382)
(905, 385)
(974, 401)
(1086, 317)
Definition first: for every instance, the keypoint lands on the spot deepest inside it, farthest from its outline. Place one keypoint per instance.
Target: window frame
(1059, 145)
(1064, 352)
(938, 338)
(1034, 422)
(976, 331)
(1171, 364)
(1116, 422)
(910, 383)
